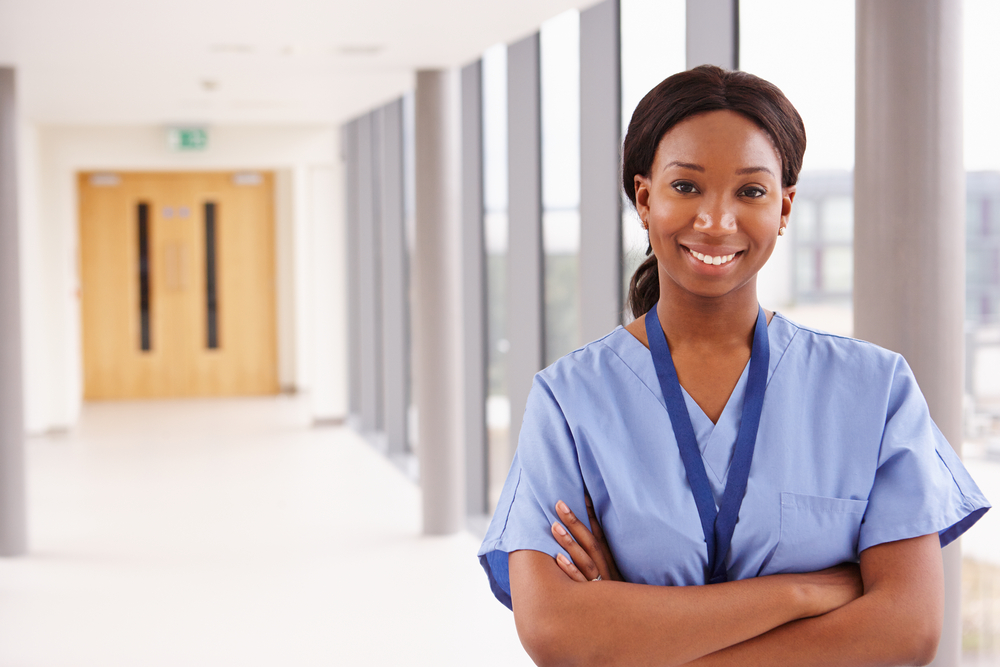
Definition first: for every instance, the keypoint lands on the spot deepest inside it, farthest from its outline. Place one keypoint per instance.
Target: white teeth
(709, 259)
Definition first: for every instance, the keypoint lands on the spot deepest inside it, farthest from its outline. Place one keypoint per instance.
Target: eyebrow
(753, 170)
(686, 165)
(698, 167)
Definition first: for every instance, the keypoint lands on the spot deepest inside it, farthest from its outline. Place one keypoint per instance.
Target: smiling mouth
(714, 260)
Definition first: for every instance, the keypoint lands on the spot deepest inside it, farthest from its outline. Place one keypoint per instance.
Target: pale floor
(230, 532)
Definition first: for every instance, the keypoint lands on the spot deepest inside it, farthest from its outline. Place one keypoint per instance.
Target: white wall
(301, 278)
(51, 158)
(329, 253)
(284, 252)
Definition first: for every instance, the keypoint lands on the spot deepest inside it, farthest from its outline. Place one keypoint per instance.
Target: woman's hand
(592, 559)
(831, 588)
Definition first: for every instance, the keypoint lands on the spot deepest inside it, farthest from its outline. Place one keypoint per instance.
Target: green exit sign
(187, 138)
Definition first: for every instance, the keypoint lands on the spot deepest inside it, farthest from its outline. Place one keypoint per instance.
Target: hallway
(231, 532)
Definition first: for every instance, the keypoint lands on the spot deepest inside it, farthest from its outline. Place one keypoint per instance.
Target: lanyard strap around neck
(718, 526)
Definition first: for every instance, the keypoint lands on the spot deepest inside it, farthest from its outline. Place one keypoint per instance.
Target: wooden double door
(177, 284)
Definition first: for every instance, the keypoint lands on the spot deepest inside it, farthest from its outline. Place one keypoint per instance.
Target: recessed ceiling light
(360, 49)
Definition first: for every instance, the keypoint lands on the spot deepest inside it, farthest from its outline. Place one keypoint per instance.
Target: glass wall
(981, 449)
(652, 43)
(409, 227)
(495, 234)
(560, 97)
(809, 277)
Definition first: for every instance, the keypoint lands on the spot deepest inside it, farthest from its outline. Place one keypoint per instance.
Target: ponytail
(644, 288)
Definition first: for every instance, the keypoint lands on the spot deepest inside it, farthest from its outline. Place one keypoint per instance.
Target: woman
(707, 408)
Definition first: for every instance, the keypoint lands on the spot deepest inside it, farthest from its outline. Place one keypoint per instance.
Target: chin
(714, 290)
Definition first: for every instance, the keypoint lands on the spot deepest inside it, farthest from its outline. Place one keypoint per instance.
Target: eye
(686, 187)
(753, 192)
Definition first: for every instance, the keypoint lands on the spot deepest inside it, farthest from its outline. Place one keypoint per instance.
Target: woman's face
(713, 203)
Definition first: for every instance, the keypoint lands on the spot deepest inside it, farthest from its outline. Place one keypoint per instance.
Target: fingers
(582, 559)
(567, 566)
(595, 527)
(581, 533)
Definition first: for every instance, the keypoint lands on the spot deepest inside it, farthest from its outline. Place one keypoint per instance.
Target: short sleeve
(545, 469)
(920, 485)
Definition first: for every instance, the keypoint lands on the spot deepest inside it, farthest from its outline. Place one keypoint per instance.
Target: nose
(715, 219)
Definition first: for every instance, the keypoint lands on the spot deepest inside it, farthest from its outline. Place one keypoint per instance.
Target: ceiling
(112, 62)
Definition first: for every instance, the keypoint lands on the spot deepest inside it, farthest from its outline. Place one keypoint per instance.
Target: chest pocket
(816, 533)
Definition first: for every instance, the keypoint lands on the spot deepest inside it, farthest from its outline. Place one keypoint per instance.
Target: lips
(714, 258)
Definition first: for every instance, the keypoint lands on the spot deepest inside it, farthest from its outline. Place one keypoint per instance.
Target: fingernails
(562, 559)
(559, 529)
(562, 508)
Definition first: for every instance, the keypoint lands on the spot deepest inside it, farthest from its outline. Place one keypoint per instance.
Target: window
(495, 234)
(560, 88)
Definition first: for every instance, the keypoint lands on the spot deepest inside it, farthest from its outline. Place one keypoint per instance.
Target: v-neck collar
(636, 356)
(716, 440)
(717, 450)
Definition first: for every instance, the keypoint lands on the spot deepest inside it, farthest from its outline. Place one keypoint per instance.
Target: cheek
(765, 222)
(766, 239)
(670, 214)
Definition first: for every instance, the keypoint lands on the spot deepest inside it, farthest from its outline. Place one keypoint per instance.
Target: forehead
(721, 138)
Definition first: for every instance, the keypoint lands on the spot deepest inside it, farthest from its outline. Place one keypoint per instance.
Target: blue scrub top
(847, 457)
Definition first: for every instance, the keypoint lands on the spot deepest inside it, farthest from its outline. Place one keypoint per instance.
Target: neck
(713, 322)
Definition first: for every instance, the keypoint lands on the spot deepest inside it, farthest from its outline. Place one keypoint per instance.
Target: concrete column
(350, 152)
(395, 283)
(437, 307)
(713, 33)
(525, 259)
(600, 187)
(473, 291)
(369, 280)
(13, 510)
(909, 213)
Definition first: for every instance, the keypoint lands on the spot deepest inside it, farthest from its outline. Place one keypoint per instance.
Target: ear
(641, 196)
(787, 197)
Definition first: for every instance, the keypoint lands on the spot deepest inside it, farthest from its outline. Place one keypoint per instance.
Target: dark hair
(685, 94)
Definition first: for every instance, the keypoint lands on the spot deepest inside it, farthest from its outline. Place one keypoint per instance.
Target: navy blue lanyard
(718, 526)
